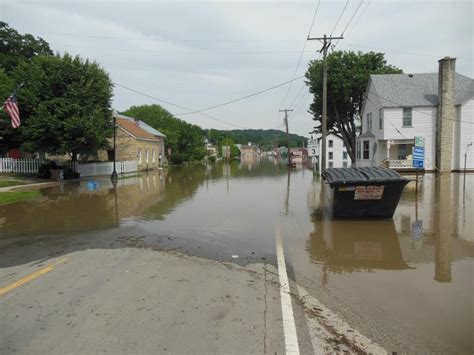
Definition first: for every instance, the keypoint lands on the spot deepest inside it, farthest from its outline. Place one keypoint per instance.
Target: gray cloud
(201, 53)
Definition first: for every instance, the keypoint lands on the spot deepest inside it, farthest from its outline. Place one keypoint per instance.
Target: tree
(15, 47)
(65, 105)
(185, 140)
(348, 76)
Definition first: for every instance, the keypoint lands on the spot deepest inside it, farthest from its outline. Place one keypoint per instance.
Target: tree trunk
(347, 137)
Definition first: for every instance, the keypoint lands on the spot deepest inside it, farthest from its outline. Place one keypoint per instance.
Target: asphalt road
(136, 300)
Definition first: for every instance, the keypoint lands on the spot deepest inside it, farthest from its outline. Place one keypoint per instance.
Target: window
(344, 155)
(407, 117)
(331, 143)
(358, 150)
(153, 155)
(369, 122)
(381, 118)
(146, 155)
(402, 151)
(330, 164)
(330, 155)
(344, 164)
(366, 147)
(139, 156)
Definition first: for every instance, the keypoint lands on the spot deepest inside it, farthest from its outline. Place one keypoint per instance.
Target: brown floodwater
(406, 282)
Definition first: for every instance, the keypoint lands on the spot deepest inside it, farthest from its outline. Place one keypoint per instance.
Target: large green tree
(15, 47)
(65, 105)
(348, 76)
(185, 140)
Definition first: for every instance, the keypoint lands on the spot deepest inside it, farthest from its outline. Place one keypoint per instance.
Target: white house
(336, 152)
(399, 107)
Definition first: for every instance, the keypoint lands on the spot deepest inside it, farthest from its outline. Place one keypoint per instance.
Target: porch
(398, 154)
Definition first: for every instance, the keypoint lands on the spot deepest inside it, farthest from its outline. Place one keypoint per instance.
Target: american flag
(11, 108)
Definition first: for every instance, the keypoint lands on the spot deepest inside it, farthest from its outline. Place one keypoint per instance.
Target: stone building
(137, 141)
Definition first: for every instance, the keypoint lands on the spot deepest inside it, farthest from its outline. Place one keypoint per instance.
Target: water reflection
(428, 228)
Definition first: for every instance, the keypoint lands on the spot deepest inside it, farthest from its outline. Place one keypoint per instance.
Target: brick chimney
(136, 121)
(446, 114)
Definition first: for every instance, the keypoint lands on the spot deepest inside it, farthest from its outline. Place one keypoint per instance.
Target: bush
(212, 158)
(177, 159)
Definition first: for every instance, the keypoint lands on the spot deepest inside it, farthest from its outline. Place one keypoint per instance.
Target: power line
(301, 54)
(349, 22)
(240, 98)
(339, 19)
(358, 18)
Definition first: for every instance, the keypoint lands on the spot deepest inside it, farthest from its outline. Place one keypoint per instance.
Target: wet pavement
(406, 283)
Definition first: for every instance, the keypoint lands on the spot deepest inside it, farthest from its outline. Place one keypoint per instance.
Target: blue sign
(418, 164)
(418, 157)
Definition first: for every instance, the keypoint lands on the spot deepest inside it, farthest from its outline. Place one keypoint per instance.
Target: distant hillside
(264, 138)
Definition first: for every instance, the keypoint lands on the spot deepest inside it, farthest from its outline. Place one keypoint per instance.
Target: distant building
(336, 152)
(299, 155)
(249, 151)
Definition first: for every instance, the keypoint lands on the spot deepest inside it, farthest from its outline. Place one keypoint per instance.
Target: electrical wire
(339, 19)
(240, 98)
(301, 54)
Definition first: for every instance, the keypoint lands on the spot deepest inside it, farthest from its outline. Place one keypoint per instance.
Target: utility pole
(326, 41)
(287, 133)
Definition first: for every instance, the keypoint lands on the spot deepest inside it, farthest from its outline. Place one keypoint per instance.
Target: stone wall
(130, 148)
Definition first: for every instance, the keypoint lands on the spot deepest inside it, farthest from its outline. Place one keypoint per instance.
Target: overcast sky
(202, 53)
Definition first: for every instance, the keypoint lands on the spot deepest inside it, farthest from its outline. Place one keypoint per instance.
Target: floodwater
(406, 282)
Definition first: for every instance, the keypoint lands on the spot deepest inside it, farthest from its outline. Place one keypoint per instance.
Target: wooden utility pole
(287, 133)
(326, 41)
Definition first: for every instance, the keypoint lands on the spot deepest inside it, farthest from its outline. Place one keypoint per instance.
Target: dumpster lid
(342, 176)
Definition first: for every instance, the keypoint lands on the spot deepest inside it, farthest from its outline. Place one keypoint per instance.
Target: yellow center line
(31, 277)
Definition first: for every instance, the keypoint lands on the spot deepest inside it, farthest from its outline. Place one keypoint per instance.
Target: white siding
(423, 124)
(372, 105)
(337, 151)
(463, 135)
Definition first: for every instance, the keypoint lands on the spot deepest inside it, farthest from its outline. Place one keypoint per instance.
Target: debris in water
(235, 256)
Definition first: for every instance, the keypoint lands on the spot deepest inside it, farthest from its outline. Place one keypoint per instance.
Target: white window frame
(344, 155)
(153, 155)
(139, 155)
(381, 118)
(330, 156)
(330, 143)
(146, 155)
(369, 122)
(407, 115)
(365, 150)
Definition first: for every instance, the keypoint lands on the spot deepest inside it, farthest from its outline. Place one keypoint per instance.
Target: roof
(142, 125)
(408, 90)
(134, 130)
(367, 134)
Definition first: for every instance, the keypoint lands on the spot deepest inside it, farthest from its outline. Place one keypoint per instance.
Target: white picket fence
(20, 166)
(106, 168)
(31, 166)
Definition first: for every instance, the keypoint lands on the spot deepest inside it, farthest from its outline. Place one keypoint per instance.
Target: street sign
(313, 150)
(419, 141)
(418, 156)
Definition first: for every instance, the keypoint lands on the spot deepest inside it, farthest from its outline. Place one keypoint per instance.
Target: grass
(17, 196)
(7, 180)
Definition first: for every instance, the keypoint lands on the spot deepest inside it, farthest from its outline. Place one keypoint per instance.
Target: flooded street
(405, 283)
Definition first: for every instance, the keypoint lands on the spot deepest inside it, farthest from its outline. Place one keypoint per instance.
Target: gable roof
(133, 129)
(141, 124)
(399, 90)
